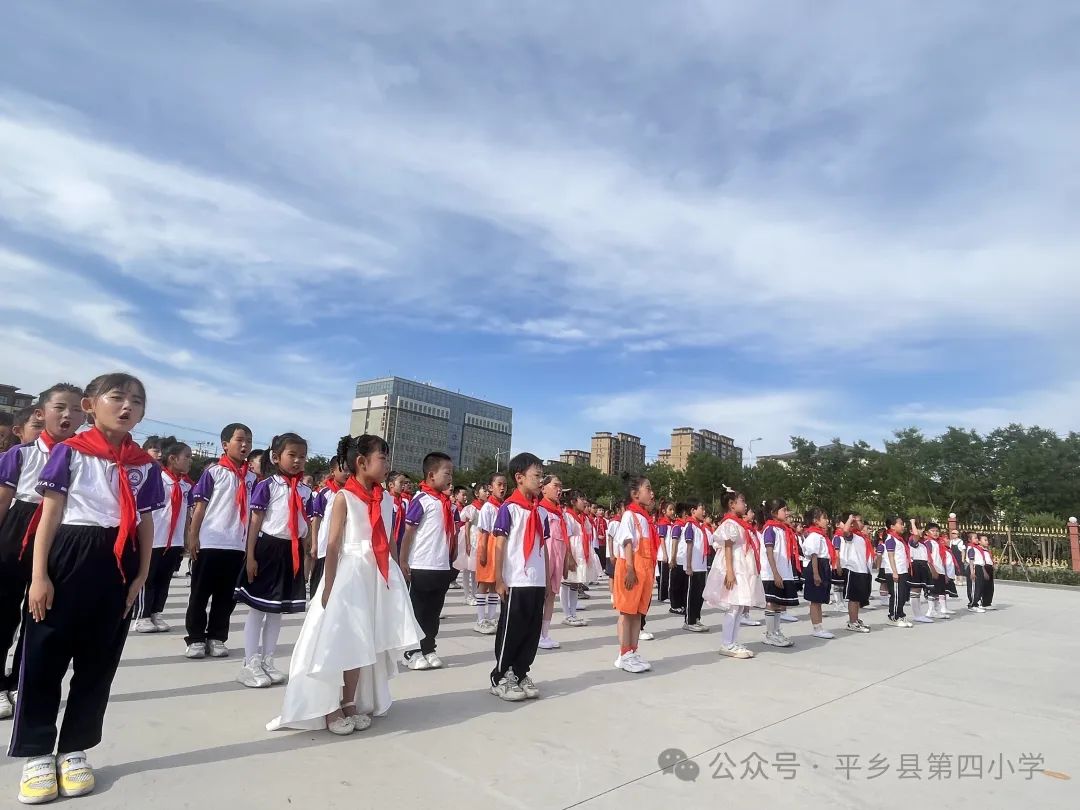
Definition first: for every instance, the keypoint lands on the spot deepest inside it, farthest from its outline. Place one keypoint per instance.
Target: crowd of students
(94, 527)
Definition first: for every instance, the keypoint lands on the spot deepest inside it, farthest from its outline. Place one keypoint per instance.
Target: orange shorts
(486, 573)
(638, 598)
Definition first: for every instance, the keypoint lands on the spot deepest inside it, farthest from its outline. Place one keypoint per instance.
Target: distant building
(614, 454)
(664, 456)
(576, 458)
(686, 441)
(416, 419)
(784, 459)
(12, 400)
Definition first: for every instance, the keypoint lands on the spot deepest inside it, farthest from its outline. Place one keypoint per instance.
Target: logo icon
(135, 476)
(674, 760)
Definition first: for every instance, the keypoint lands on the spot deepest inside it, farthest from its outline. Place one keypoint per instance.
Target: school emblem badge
(135, 476)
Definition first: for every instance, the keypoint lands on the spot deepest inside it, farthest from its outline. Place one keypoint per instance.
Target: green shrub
(1056, 575)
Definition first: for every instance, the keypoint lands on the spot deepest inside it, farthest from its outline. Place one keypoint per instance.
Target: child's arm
(145, 533)
(468, 537)
(778, 581)
(41, 587)
(813, 564)
(688, 566)
(255, 522)
(729, 561)
(892, 565)
(630, 580)
(500, 553)
(403, 553)
(313, 535)
(7, 494)
(197, 515)
(333, 546)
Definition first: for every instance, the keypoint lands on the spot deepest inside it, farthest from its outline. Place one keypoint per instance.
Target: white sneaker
(575, 621)
(161, 625)
(907, 622)
(548, 644)
(822, 633)
(746, 621)
(197, 649)
(529, 688)
(924, 620)
(871, 606)
(491, 627)
(645, 635)
(435, 661)
(252, 675)
(275, 675)
(618, 661)
(418, 661)
(470, 601)
(787, 617)
(895, 622)
(697, 627)
(218, 649)
(7, 708)
(75, 774)
(642, 661)
(778, 640)
(631, 663)
(509, 689)
(145, 626)
(856, 627)
(735, 651)
(481, 628)
(977, 609)
(989, 607)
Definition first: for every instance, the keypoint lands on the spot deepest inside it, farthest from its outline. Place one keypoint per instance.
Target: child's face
(498, 488)
(441, 477)
(375, 468)
(118, 410)
(529, 482)
(553, 490)
(698, 513)
(822, 522)
(238, 447)
(933, 534)
(292, 458)
(31, 429)
(856, 523)
(645, 495)
(181, 462)
(62, 415)
(482, 492)
(341, 475)
(782, 515)
(669, 510)
(459, 498)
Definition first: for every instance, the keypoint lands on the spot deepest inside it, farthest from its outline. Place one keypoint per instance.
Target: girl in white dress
(471, 517)
(360, 619)
(734, 582)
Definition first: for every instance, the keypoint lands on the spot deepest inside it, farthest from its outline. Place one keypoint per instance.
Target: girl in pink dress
(734, 582)
(558, 551)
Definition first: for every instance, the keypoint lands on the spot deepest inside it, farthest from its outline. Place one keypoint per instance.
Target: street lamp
(750, 449)
(497, 454)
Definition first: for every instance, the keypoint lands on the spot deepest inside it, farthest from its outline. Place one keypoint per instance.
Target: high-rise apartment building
(686, 440)
(614, 454)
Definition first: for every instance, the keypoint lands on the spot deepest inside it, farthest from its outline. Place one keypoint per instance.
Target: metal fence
(1034, 545)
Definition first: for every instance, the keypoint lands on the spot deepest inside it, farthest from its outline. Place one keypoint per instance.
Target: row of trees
(1013, 474)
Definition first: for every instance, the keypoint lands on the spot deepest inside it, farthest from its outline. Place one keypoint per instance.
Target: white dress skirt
(588, 567)
(365, 625)
(748, 591)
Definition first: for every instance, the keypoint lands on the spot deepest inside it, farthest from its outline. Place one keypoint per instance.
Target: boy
(459, 497)
(28, 424)
(425, 555)
(857, 561)
(988, 573)
(521, 574)
(217, 543)
(320, 526)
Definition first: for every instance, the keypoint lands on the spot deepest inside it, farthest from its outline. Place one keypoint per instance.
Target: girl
(320, 521)
(988, 573)
(558, 551)
(361, 619)
(91, 558)
(679, 584)
(635, 550)
(272, 581)
(937, 549)
(751, 519)
(976, 571)
(696, 543)
(857, 561)
(487, 601)
(663, 525)
(396, 484)
(879, 563)
(780, 566)
(471, 515)
(734, 582)
(170, 527)
(897, 559)
(586, 564)
(921, 575)
(821, 561)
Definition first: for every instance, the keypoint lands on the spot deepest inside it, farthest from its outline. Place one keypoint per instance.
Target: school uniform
(524, 573)
(91, 568)
(949, 562)
(988, 574)
(815, 543)
(485, 573)
(857, 560)
(936, 552)
(898, 588)
(429, 562)
(696, 543)
(170, 523)
(976, 583)
(636, 530)
(680, 585)
(278, 586)
(20, 468)
(920, 578)
(786, 552)
(663, 526)
(601, 526)
(222, 550)
(321, 505)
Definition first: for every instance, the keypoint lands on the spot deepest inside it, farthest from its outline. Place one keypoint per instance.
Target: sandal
(360, 721)
(342, 726)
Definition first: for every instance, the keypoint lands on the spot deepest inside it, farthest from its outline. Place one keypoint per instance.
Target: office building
(576, 458)
(416, 419)
(686, 440)
(614, 454)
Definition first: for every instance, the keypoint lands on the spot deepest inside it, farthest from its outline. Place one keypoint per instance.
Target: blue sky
(828, 219)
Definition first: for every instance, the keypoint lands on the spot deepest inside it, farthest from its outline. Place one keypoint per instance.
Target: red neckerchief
(35, 519)
(988, 557)
(751, 536)
(176, 503)
(477, 503)
(187, 479)
(654, 537)
(93, 443)
(833, 555)
(534, 528)
(332, 485)
(448, 516)
(701, 526)
(586, 547)
(296, 511)
(380, 541)
(556, 510)
(902, 542)
(241, 486)
(868, 543)
(792, 542)
(942, 544)
(399, 509)
(494, 502)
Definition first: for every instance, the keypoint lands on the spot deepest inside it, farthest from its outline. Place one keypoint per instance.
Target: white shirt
(430, 549)
(321, 506)
(20, 468)
(815, 543)
(698, 539)
(472, 514)
(271, 497)
(780, 551)
(163, 517)
(519, 572)
(90, 483)
(634, 528)
(897, 549)
(853, 554)
(221, 526)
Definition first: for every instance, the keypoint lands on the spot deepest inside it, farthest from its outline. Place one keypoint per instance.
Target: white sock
(573, 603)
(730, 627)
(817, 627)
(772, 622)
(493, 607)
(270, 633)
(253, 626)
(481, 607)
(470, 584)
(545, 628)
(564, 600)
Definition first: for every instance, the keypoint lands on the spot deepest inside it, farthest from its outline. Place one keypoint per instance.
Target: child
(60, 412)
(857, 560)
(471, 515)
(396, 483)
(487, 601)
(425, 555)
(663, 524)
(91, 558)
(28, 424)
(635, 544)
(988, 573)
(320, 524)
(734, 582)
(170, 524)
(896, 557)
(459, 499)
(256, 462)
(217, 539)
(921, 575)
(680, 586)
(272, 580)
(585, 565)
(821, 561)
(936, 556)
(879, 564)
(780, 565)
(522, 575)
(560, 558)
(7, 431)
(696, 542)
(751, 520)
(360, 617)
(600, 521)
(976, 570)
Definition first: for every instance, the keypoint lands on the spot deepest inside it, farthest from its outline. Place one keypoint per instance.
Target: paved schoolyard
(958, 714)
